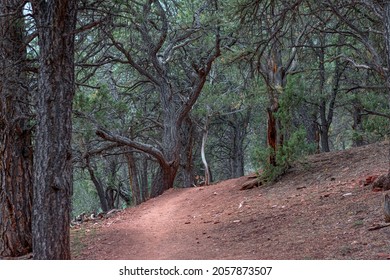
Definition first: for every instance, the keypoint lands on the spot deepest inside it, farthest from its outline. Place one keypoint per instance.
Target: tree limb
(149, 149)
(376, 113)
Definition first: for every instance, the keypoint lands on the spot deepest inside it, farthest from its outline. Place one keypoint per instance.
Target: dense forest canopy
(110, 103)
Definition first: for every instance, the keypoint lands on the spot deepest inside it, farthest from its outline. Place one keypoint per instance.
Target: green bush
(296, 148)
(85, 198)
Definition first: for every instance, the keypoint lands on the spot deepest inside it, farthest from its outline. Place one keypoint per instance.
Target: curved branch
(149, 149)
(130, 60)
(369, 112)
(202, 76)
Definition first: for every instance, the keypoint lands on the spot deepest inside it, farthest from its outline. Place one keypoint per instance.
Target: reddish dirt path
(317, 211)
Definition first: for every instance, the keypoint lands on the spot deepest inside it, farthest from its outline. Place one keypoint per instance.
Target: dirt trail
(320, 210)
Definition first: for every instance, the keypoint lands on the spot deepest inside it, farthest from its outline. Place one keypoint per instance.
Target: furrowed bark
(16, 160)
(55, 22)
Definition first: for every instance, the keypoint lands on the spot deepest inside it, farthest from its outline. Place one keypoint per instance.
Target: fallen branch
(379, 226)
(253, 183)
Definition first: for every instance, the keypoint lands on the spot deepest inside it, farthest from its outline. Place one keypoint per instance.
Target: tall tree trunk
(272, 134)
(171, 144)
(98, 185)
(55, 22)
(275, 74)
(187, 164)
(16, 160)
(237, 161)
(207, 175)
(239, 124)
(357, 124)
(324, 128)
(204, 160)
(326, 114)
(311, 125)
(144, 182)
(325, 124)
(386, 25)
(113, 186)
(137, 193)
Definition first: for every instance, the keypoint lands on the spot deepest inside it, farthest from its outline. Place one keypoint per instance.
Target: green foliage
(289, 101)
(85, 198)
(295, 149)
(376, 128)
(295, 146)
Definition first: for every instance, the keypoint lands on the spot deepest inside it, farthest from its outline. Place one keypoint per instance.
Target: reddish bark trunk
(16, 159)
(272, 136)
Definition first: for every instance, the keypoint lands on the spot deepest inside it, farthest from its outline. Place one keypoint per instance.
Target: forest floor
(318, 210)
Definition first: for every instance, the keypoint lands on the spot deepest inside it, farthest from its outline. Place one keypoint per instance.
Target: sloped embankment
(319, 210)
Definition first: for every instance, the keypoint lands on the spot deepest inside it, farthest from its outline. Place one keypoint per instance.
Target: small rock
(384, 255)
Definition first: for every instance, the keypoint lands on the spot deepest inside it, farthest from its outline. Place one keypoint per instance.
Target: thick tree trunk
(324, 136)
(237, 161)
(171, 144)
(55, 22)
(16, 161)
(163, 180)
